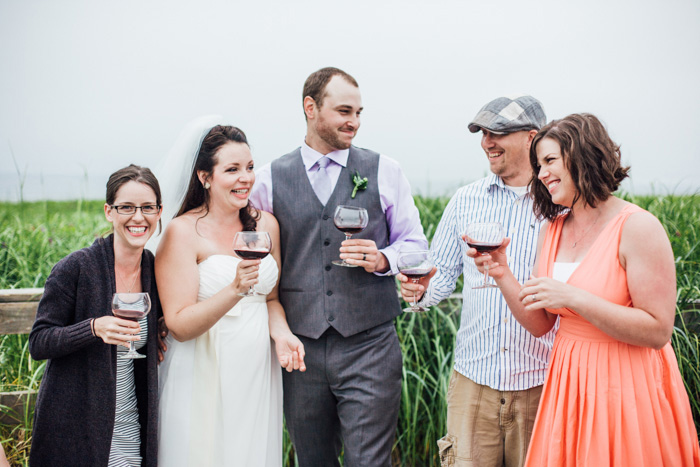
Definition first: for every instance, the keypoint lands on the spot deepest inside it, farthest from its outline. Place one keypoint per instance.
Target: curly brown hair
(590, 156)
(196, 195)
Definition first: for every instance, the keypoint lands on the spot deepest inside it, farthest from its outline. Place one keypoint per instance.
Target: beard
(332, 136)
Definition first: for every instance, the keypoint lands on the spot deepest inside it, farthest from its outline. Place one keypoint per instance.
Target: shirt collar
(493, 181)
(310, 156)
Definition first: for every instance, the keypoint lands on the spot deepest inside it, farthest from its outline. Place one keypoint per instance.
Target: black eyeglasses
(127, 210)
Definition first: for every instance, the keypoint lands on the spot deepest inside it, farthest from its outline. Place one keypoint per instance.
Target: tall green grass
(34, 236)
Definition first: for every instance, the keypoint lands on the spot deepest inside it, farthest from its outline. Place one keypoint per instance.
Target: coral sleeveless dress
(605, 402)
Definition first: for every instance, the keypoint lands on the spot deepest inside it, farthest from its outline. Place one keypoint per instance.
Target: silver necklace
(584, 233)
(136, 276)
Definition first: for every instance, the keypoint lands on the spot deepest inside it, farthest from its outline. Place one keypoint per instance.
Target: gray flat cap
(509, 114)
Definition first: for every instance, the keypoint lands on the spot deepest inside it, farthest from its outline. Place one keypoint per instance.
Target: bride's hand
(246, 275)
(290, 352)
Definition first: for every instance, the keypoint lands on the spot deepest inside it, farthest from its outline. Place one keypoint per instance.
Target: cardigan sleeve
(55, 332)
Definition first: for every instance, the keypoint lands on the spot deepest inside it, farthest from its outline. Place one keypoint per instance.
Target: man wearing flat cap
(499, 369)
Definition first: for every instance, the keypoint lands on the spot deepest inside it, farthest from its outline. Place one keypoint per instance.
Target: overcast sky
(87, 87)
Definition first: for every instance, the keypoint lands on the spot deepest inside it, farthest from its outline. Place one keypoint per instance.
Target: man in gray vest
(350, 392)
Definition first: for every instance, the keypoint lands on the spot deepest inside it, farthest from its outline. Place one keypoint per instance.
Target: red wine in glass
(131, 306)
(252, 245)
(484, 247)
(416, 274)
(414, 265)
(485, 237)
(131, 315)
(252, 254)
(349, 220)
(350, 230)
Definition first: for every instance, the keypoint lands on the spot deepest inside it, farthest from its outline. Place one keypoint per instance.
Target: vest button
(329, 293)
(325, 217)
(331, 318)
(326, 242)
(328, 268)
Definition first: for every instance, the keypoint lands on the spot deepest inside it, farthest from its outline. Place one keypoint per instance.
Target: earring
(207, 185)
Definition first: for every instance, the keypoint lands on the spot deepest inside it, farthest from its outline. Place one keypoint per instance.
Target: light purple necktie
(322, 182)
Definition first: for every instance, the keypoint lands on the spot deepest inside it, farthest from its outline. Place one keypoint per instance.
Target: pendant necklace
(135, 277)
(586, 232)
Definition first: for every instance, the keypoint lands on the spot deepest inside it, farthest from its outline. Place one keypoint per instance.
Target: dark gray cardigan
(75, 407)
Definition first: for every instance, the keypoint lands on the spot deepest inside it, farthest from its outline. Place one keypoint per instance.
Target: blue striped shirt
(492, 348)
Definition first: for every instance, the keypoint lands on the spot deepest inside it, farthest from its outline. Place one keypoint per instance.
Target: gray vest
(316, 294)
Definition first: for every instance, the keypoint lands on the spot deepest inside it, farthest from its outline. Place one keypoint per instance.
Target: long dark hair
(591, 157)
(133, 173)
(196, 195)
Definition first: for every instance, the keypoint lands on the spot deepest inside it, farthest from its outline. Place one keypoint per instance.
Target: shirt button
(503, 349)
(331, 318)
(326, 242)
(329, 293)
(325, 217)
(503, 401)
(328, 268)
(505, 320)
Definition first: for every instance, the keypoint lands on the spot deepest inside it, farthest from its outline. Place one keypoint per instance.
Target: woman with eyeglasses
(94, 408)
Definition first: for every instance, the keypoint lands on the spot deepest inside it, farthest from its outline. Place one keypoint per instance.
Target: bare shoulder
(643, 236)
(180, 233)
(642, 223)
(267, 222)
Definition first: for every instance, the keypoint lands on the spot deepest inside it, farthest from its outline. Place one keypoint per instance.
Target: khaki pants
(486, 427)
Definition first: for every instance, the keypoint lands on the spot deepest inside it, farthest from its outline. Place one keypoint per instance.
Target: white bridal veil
(174, 171)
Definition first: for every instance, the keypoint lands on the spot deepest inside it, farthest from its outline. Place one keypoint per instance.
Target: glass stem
(413, 305)
(486, 274)
(347, 237)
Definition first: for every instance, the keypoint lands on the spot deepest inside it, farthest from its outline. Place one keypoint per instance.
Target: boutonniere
(360, 183)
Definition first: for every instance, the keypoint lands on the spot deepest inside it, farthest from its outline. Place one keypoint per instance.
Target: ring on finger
(364, 256)
(534, 297)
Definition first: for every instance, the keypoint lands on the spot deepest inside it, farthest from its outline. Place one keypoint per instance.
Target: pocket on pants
(446, 451)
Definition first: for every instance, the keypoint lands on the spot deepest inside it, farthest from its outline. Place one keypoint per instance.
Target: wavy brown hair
(590, 156)
(196, 195)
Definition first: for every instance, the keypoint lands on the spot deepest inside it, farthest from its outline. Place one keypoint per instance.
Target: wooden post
(18, 310)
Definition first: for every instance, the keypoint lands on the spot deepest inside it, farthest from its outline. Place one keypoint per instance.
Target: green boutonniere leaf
(360, 183)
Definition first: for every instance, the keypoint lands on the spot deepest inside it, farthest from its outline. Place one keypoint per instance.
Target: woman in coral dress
(613, 393)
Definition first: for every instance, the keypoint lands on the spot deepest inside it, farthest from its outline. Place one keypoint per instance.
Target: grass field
(34, 236)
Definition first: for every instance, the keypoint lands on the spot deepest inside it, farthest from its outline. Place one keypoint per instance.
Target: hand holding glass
(251, 245)
(349, 220)
(131, 306)
(485, 237)
(414, 265)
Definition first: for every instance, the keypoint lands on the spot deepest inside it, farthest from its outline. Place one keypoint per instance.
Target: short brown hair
(590, 156)
(315, 85)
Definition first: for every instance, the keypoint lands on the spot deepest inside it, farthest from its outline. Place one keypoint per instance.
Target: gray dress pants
(348, 397)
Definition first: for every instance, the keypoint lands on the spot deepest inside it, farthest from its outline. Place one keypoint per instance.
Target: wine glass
(414, 265)
(349, 220)
(131, 306)
(485, 237)
(251, 245)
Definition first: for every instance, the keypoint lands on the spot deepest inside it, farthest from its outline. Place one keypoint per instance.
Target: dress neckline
(218, 254)
(610, 224)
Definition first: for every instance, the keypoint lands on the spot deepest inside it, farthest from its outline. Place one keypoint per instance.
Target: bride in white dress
(221, 381)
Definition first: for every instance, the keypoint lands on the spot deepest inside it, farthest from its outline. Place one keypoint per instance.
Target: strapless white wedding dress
(221, 393)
